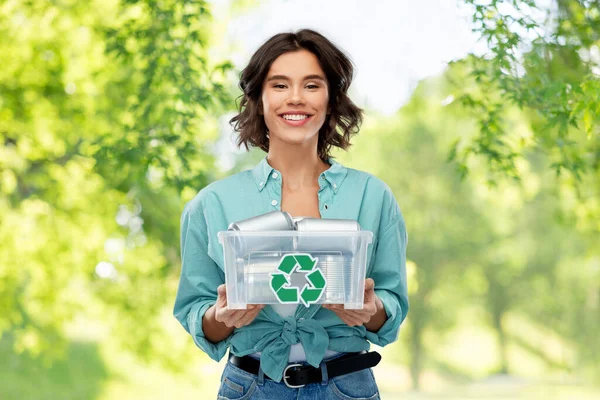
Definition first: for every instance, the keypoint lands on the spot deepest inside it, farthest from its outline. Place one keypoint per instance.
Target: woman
(294, 100)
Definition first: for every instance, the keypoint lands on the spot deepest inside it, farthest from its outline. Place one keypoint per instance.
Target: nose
(296, 96)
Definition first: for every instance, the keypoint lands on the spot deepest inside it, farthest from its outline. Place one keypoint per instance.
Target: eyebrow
(285, 78)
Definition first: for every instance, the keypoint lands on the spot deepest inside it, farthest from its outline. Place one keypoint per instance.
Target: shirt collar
(334, 176)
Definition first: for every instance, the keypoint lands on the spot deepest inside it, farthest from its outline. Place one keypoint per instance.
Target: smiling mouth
(297, 117)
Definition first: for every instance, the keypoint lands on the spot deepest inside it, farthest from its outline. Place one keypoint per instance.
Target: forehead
(296, 64)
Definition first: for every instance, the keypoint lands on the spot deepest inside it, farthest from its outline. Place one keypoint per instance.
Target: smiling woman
(295, 107)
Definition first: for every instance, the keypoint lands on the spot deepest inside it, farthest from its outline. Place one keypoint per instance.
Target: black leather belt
(298, 375)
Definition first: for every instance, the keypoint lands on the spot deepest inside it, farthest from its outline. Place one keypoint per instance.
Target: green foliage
(162, 48)
(104, 122)
(545, 68)
(80, 376)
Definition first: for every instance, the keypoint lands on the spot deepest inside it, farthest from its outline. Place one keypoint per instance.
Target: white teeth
(295, 117)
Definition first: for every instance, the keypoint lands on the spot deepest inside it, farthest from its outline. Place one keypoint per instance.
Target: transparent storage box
(255, 261)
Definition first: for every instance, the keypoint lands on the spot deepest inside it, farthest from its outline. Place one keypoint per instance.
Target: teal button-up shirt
(344, 193)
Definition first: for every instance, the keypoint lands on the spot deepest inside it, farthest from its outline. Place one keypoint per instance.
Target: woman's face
(295, 98)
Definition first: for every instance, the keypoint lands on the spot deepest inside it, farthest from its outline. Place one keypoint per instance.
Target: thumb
(369, 284)
(222, 291)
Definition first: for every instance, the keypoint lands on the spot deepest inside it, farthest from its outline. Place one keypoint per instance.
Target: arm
(386, 294)
(197, 291)
(377, 320)
(214, 331)
(389, 274)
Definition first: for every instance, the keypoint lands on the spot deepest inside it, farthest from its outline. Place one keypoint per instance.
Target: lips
(295, 112)
(295, 122)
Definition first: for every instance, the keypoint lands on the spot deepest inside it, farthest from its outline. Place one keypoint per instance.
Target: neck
(300, 167)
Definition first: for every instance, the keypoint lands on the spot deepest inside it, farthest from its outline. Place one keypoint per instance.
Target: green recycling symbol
(302, 262)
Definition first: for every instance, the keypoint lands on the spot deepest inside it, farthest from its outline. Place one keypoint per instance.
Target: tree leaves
(551, 78)
(99, 111)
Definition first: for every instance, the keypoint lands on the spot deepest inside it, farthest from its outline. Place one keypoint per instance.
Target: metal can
(271, 221)
(329, 240)
(327, 224)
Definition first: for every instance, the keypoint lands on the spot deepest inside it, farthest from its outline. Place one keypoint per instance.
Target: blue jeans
(237, 384)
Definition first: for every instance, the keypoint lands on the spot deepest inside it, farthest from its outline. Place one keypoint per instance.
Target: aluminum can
(325, 224)
(328, 241)
(271, 221)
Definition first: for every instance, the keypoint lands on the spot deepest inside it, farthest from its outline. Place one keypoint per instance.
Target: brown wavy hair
(339, 71)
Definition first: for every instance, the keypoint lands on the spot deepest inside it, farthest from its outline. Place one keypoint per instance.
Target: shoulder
(210, 195)
(371, 184)
(378, 195)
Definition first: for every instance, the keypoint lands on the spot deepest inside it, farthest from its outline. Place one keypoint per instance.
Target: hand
(372, 305)
(234, 318)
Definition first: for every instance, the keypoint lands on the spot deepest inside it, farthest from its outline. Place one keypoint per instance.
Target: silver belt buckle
(287, 376)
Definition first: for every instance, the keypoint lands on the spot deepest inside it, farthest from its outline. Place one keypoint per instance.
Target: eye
(312, 86)
(279, 86)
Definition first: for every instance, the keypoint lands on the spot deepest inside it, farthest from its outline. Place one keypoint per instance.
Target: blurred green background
(112, 116)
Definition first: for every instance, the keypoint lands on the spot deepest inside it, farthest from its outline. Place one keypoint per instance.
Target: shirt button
(274, 202)
(262, 183)
(334, 186)
(274, 175)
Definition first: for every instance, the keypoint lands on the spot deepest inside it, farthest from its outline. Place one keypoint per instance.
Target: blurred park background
(482, 116)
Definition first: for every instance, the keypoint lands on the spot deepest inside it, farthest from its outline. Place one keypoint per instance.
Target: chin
(294, 139)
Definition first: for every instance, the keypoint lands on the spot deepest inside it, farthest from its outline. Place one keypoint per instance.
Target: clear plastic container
(252, 258)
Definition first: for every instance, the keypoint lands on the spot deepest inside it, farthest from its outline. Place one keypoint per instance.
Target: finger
(350, 321)
(369, 296)
(222, 291)
(229, 317)
(351, 317)
(369, 290)
(221, 296)
(348, 318)
(221, 303)
(247, 318)
(369, 307)
(339, 310)
(359, 315)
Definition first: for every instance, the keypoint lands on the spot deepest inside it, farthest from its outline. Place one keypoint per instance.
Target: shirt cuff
(216, 351)
(388, 332)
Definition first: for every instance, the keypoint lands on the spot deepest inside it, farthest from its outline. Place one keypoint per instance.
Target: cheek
(266, 102)
(323, 102)
(270, 104)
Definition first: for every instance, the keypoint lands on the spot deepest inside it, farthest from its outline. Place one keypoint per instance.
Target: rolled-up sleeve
(200, 277)
(389, 274)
